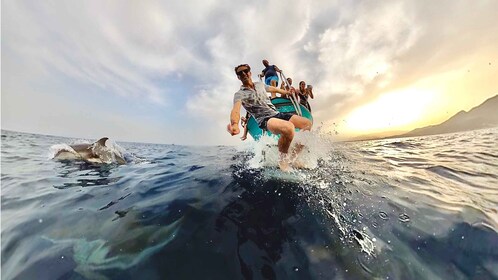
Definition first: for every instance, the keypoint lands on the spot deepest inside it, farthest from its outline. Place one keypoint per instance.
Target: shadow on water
(244, 238)
(259, 229)
(252, 229)
(261, 219)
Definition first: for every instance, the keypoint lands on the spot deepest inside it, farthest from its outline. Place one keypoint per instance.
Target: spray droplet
(383, 215)
(40, 221)
(404, 218)
(358, 234)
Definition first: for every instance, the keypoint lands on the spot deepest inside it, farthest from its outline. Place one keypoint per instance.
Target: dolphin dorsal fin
(102, 141)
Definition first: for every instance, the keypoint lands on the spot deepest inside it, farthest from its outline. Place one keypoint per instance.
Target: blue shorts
(282, 116)
(271, 78)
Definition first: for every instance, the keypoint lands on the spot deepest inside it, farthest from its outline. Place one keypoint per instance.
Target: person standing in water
(253, 96)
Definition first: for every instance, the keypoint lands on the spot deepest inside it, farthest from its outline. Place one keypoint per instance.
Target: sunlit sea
(408, 208)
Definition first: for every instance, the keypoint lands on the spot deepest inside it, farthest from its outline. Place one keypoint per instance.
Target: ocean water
(411, 208)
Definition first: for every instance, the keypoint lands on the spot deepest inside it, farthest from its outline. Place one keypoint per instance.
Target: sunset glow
(394, 110)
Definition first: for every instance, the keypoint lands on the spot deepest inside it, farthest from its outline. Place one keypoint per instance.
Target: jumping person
(253, 96)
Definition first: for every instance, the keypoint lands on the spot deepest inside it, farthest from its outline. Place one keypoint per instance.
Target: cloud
(341, 53)
(179, 55)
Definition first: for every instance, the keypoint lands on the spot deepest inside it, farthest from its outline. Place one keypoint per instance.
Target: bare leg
(273, 83)
(303, 124)
(286, 131)
(297, 163)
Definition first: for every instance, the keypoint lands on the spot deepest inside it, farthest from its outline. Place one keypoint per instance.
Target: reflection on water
(414, 208)
(85, 174)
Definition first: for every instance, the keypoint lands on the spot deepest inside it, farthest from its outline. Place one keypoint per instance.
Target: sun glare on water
(391, 111)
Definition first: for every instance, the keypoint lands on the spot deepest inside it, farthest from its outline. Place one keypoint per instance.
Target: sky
(162, 71)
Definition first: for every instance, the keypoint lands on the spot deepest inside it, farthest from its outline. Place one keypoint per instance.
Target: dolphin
(96, 152)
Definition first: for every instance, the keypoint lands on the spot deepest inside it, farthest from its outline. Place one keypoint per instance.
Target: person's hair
(237, 67)
(302, 82)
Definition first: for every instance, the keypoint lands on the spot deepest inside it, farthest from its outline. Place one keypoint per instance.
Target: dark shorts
(282, 116)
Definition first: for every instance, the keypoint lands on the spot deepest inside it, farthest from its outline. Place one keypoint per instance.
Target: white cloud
(147, 50)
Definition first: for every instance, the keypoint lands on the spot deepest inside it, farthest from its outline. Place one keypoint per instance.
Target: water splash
(323, 181)
(265, 151)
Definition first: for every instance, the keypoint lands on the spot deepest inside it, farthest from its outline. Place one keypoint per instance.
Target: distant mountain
(373, 136)
(482, 116)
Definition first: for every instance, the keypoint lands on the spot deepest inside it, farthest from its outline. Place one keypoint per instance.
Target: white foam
(265, 151)
(54, 149)
(107, 153)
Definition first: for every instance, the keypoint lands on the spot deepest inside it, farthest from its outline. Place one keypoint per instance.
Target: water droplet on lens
(40, 221)
(296, 269)
(383, 215)
(358, 234)
(404, 218)
(375, 225)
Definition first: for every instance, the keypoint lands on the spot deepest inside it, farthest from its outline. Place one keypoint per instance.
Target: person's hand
(233, 129)
(244, 137)
(289, 92)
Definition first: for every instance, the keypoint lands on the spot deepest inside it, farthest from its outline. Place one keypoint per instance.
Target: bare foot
(299, 164)
(285, 166)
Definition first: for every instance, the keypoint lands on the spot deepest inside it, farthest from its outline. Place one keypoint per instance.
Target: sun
(391, 111)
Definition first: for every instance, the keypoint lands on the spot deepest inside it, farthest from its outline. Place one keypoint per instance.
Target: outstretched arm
(277, 90)
(233, 126)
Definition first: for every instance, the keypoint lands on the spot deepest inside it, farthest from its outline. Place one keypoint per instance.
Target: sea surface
(409, 208)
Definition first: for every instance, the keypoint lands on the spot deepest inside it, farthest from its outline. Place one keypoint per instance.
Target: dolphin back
(96, 152)
(107, 154)
(101, 141)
